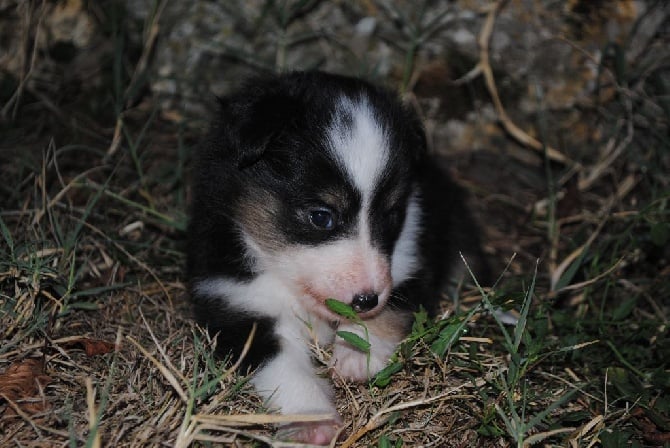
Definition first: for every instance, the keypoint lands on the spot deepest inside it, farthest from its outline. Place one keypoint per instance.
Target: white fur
(360, 147)
(339, 270)
(265, 294)
(287, 381)
(300, 278)
(405, 260)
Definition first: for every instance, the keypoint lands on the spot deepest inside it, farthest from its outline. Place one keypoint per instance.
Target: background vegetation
(96, 344)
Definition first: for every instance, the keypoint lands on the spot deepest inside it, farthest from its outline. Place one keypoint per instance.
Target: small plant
(351, 338)
(525, 351)
(440, 335)
(385, 442)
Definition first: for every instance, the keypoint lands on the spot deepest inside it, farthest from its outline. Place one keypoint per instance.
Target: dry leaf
(92, 347)
(22, 381)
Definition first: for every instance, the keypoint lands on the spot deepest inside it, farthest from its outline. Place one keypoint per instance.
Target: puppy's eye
(322, 218)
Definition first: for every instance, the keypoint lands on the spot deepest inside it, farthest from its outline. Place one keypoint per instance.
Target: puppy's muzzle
(364, 302)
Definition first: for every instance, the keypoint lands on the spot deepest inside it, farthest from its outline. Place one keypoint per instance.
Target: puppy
(313, 186)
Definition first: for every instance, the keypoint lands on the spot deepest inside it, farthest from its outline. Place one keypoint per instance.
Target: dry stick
(160, 348)
(22, 414)
(245, 350)
(381, 417)
(624, 188)
(116, 139)
(201, 422)
(190, 427)
(612, 153)
(42, 211)
(250, 435)
(36, 426)
(133, 258)
(538, 437)
(629, 285)
(258, 419)
(28, 348)
(231, 370)
(597, 423)
(572, 384)
(92, 412)
(485, 68)
(584, 284)
(164, 370)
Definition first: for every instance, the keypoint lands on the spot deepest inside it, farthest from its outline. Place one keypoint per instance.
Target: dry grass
(97, 347)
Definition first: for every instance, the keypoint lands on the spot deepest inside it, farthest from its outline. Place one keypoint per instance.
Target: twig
(147, 49)
(164, 370)
(39, 213)
(383, 415)
(484, 67)
(591, 281)
(605, 212)
(160, 349)
(611, 152)
(92, 414)
(140, 263)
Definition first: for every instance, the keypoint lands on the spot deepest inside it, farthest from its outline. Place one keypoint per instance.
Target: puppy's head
(321, 171)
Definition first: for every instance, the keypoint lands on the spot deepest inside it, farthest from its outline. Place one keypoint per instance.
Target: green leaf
(520, 329)
(537, 419)
(420, 321)
(355, 340)
(624, 309)
(615, 438)
(571, 271)
(490, 430)
(384, 442)
(383, 377)
(99, 290)
(451, 332)
(448, 336)
(91, 306)
(628, 386)
(342, 309)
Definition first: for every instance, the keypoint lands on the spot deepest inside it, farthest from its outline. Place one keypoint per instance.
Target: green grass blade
(342, 309)
(520, 327)
(355, 340)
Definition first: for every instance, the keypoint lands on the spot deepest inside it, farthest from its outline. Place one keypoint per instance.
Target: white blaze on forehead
(359, 143)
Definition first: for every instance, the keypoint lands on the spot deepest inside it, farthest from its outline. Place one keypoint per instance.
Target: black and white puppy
(313, 186)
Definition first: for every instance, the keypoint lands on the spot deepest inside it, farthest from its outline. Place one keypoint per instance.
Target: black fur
(269, 137)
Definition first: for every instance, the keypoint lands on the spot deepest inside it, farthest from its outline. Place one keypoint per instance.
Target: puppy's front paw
(352, 363)
(313, 433)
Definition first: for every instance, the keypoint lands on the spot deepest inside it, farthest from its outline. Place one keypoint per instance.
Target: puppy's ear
(253, 122)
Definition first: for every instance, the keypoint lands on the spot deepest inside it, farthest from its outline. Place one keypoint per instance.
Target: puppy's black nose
(364, 302)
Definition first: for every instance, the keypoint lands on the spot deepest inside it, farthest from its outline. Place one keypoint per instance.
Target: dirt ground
(97, 347)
